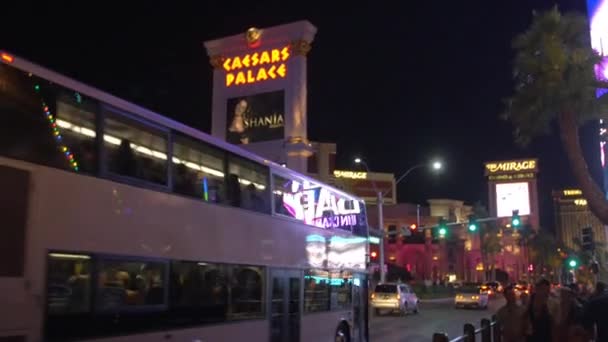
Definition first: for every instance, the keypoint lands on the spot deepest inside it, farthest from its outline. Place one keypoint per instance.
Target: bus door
(285, 307)
(360, 307)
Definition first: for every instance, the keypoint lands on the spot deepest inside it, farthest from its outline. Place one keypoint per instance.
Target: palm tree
(544, 251)
(554, 80)
(490, 243)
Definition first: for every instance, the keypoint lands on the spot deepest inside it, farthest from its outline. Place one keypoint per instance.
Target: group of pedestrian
(563, 315)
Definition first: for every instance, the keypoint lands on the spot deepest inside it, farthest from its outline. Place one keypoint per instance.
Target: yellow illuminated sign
(350, 174)
(511, 166)
(256, 67)
(573, 192)
(580, 201)
(504, 177)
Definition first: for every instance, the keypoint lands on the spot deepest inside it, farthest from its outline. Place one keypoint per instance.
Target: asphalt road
(433, 317)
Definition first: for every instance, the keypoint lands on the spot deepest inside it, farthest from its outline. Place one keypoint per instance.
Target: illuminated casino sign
(573, 192)
(256, 67)
(319, 206)
(350, 174)
(511, 166)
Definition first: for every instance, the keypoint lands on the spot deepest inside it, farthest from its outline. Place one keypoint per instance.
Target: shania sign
(256, 118)
(319, 206)
(511, 166)
(256, 66)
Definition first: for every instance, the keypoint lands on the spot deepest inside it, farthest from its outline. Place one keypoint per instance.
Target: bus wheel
(342, 333)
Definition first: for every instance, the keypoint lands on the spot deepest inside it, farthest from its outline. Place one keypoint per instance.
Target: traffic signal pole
(381, 228)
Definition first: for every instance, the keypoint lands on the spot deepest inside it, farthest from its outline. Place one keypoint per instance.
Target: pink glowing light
(602, 154)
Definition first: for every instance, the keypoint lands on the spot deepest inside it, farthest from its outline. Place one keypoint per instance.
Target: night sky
(393, 82)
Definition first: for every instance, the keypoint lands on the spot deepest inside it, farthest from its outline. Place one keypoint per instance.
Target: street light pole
(380, 201)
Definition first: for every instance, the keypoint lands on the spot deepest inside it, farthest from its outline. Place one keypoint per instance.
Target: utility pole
(381, 228)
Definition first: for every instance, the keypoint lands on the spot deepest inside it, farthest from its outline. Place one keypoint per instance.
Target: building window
(135, 150)
(332, 163)
(198, 169)
(68, 283)
(312, 164)
(247, 185)
(392, 233)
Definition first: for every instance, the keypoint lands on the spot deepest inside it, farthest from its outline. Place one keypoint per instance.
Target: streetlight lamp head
(437, 165)
(358, 160)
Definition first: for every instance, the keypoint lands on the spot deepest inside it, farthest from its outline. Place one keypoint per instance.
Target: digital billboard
(598, 27)
(512, 196)
(255, 118)
(319, 206)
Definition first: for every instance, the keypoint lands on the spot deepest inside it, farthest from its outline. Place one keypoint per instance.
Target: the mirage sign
(511, 166)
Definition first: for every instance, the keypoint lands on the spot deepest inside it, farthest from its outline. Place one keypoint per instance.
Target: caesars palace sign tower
(259, 91)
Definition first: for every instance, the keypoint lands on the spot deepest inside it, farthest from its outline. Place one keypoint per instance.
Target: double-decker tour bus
(119, 224)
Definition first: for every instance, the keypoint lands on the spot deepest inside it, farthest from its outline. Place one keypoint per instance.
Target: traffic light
(374, 255)
(442, 228)
(572, 262)
(473, 225)
(413, 227)
(515, 219)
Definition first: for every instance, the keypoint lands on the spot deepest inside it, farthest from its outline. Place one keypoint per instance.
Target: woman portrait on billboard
(236, 131)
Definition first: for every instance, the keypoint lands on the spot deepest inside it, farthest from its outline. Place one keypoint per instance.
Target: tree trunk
(568, 127)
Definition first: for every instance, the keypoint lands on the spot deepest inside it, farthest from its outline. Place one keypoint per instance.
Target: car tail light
(6, 58)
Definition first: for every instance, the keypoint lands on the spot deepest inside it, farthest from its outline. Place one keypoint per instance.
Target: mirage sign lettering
(511, 166)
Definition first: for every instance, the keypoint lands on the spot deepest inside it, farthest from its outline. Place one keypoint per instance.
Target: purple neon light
(290, 209)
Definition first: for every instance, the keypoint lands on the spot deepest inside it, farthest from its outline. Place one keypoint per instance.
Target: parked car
(471, 297)
(394, 297)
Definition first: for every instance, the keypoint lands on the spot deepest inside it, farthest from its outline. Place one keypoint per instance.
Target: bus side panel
(79, 213)
(317, 327)
(243, 331)
(14, 204)
(93, 215)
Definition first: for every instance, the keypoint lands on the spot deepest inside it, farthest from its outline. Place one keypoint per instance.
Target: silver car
(394, 297)
(471, 297)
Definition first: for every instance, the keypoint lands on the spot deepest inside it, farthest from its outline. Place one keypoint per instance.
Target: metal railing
(489, 331)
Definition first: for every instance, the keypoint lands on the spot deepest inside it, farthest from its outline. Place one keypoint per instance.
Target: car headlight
(475, 297)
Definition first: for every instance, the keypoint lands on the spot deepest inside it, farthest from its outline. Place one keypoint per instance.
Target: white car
(471, 297)
(394, 297)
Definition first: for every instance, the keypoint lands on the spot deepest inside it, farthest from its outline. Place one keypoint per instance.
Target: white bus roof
(27, 66)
